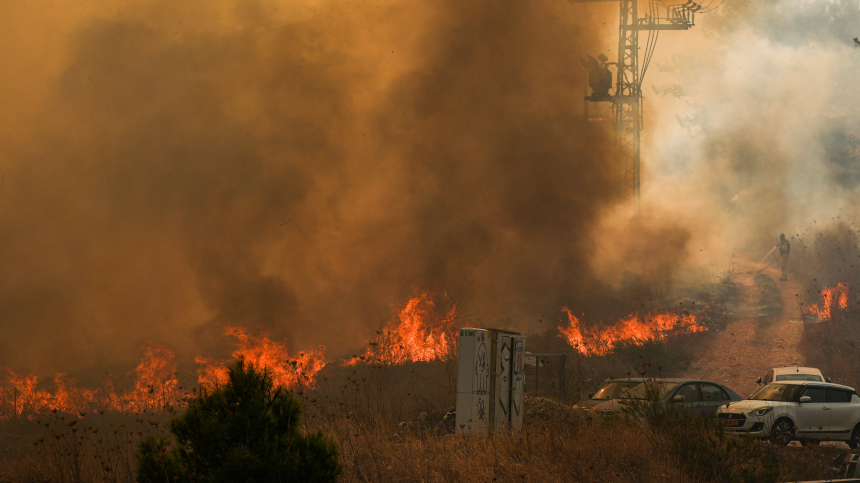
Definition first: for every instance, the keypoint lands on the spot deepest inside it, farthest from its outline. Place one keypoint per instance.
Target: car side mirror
(590, 395)
(805, 399)
(827, 379)
(678, 398)
(758, 381)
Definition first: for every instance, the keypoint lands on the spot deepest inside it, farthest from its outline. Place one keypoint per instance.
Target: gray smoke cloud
(170, 168)
(753, 124)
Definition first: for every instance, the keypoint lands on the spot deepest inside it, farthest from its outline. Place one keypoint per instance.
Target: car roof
(677, 380)
(814, 383)
(680, 380)
(778, 371)
(674, 380)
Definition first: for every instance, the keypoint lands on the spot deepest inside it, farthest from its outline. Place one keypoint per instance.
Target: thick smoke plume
(754, 124)
(173, 167)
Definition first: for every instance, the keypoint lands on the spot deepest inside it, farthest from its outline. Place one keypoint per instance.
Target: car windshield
(647, 389)
(799, 377)
(614, 389)
(777, 392)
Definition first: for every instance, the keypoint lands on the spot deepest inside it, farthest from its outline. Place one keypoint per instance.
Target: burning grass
(557, 444)
(602, 340)
(424, 330)
(832, 297)
(287, 370)
(155, 387)
(384, 412)
(827, 267)
(833, 345)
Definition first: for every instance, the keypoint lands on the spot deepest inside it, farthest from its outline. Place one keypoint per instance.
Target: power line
(711, 10)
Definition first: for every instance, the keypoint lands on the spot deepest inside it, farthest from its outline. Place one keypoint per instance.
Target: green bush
(244, 430)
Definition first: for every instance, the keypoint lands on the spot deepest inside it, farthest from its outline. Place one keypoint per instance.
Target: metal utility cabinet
(490, 381)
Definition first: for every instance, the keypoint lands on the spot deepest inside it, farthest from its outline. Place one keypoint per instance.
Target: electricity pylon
(627, 101)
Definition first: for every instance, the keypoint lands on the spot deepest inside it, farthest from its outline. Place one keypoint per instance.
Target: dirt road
(763, 331)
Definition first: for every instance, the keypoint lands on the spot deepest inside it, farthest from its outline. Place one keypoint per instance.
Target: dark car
(702, 397)
(612, 388)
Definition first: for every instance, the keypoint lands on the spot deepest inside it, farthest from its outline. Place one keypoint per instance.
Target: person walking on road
(784, 252)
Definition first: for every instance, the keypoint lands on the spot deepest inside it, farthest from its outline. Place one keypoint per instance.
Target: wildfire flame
(632, 329)
(837, 295)
(156, 385)
(286, 370)
(419, 332)
(155, 388)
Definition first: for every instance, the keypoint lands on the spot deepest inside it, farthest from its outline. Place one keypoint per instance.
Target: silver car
(694, 395)
(792, 373)
(797, 410)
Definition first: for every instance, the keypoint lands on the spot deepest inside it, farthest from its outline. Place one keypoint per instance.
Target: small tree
(244, 430)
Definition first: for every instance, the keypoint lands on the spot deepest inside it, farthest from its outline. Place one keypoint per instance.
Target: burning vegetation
(831, 297)
(602, 340)
(421, 331)
(156, 385)
(262, 352)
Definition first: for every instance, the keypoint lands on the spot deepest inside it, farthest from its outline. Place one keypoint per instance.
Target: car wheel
(782, 432)
(854, 442)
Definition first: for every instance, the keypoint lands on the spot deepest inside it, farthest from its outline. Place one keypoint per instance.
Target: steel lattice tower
(627, 101)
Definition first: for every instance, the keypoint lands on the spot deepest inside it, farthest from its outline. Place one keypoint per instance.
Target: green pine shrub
(244, 430)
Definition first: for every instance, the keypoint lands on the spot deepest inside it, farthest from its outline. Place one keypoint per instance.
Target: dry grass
(556, 444)
(58, 447)
(828, 257)
(372, 412)
(563, 446)
(834, 346)
(542, 451)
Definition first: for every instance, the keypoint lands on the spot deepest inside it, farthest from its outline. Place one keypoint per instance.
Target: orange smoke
(419, 332)
(631, 330)
(837, 294)
(286, 370)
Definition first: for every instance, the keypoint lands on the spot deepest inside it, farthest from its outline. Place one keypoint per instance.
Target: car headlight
(761, 411)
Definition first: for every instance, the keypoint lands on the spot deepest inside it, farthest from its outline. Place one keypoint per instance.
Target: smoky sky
(754, 124)
(299, 169)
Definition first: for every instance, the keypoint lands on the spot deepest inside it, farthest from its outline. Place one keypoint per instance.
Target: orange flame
(286, 370)
(418, 333)
(602, 340)
(156, 387)
(21, 396)
(69, 397)
(837, 294)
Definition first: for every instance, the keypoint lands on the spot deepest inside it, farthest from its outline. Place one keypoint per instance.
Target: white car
(797, 410)
(792, 373)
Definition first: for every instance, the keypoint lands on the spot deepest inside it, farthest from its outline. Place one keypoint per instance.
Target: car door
(692, 397)
(844, 412)
(713, 397)
(813, 417)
